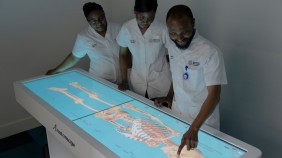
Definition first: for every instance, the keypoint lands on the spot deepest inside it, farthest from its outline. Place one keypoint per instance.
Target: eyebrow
(102, 15)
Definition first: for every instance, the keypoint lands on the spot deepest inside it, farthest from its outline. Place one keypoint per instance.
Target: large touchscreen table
(119, 123)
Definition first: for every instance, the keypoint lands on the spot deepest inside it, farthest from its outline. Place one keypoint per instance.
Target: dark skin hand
(123, 86)
(125, 63)
(190, 138)
(68, 62)
(165, 101)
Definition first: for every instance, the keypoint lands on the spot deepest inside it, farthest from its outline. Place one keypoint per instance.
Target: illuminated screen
(128, 127)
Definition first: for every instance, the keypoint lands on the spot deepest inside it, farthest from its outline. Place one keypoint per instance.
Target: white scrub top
(103, 52)
(150, 70)
(193, 69)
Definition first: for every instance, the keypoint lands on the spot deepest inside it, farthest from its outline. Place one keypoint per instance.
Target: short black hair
(178, 11)
(145, 5)
(91, 6)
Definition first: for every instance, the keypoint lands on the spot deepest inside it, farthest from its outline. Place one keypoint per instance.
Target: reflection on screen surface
(128, 127)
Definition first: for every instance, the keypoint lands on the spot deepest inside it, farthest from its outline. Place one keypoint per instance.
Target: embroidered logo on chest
(194, 63)
(154, 40)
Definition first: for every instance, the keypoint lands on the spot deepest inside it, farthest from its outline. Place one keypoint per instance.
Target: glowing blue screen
(128, 127)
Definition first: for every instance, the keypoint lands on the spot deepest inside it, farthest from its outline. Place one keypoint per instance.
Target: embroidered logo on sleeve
(132, 41)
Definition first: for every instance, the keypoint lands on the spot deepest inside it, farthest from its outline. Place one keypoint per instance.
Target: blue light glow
(128, 127)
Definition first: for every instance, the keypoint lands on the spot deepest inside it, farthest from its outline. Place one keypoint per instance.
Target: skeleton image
(91, 94)
(76, 99)
(148, 129)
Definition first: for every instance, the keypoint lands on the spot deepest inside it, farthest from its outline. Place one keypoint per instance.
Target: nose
(99, 23)
(147, 21)
(179, 38)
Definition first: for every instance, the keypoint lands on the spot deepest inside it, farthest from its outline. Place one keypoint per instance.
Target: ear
(193, 22)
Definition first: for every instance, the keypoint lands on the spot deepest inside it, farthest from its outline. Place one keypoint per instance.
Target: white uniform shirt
(103, 52)
(150, 70)
(204, 64)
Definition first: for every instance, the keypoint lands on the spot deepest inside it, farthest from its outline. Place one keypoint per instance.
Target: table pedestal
(57, 149)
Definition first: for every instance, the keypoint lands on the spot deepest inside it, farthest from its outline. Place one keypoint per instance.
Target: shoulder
(128, 27)
(129, 23)
(83, 32)
(157, 28)
(166, 39)
(158, 24)
(114, 28)
(205, 46)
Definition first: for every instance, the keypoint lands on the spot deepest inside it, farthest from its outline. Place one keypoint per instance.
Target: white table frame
(67, 140)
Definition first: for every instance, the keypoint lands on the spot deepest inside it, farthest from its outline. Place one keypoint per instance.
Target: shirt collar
(149, 29)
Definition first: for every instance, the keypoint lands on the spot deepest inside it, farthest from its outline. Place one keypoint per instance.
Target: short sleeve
(115, 29)
(214, 70)
(79, 49)
(122, 37)
(165, 37)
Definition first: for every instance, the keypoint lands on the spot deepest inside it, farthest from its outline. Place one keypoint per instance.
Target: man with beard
(198, 72)
(98, 41)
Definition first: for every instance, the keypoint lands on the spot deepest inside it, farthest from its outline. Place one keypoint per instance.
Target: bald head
(179, 11)
(180, 23)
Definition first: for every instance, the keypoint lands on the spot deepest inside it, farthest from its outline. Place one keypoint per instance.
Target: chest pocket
(98, 50)
(100, 46)
(156, 47)
(194, 78)
(133, 44)
(155, 41)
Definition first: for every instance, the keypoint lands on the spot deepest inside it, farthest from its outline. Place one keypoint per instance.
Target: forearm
(124, 63)
(170, 92)
(68, 62)
(208, 106)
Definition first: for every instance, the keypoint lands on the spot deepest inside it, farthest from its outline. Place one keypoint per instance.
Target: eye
(102, 18)
(187, 33)
(93, 21)
(172, 34)
(142, 17)
(152, 18)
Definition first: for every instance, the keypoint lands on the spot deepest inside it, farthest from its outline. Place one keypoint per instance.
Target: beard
(188, 41)
(185, 46)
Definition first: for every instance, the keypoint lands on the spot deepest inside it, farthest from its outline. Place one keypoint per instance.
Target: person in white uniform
(198, 72)
(142, 45)
(98, 41)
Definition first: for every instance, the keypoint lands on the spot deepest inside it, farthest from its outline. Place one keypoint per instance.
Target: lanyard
(186, 75)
